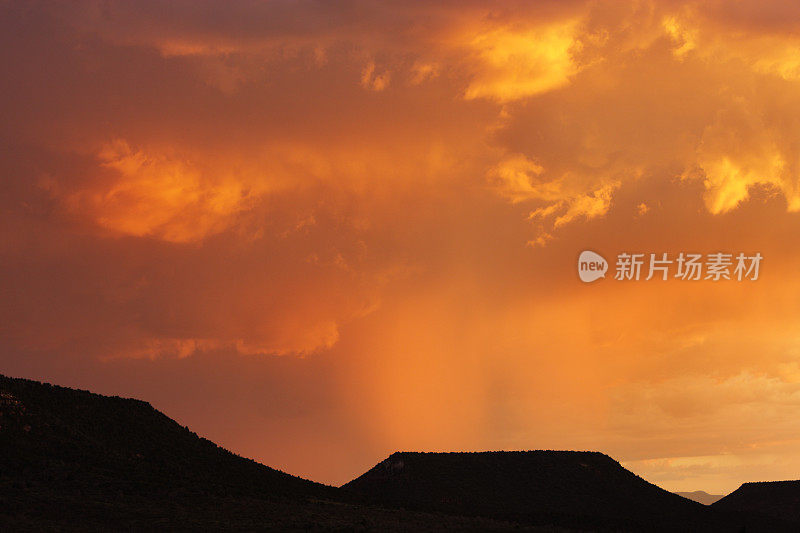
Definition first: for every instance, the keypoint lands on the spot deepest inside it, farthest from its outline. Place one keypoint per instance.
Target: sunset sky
(320, 232)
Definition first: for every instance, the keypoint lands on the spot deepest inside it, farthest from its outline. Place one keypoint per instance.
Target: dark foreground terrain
(73, 460)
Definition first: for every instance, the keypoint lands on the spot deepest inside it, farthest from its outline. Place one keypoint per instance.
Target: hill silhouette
(700, 496)
(63, 444)
(582, 490)
(74, 460)
(780, 499)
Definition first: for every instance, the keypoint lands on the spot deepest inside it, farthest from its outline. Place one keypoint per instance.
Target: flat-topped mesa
(780, 499)
(571, 488)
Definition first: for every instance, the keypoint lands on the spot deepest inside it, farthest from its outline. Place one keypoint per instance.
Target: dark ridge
(71, 460)
(581, 490)
(779, 499)
(66, 452)
(56, 434)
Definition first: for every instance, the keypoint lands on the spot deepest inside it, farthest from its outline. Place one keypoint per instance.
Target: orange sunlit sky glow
(320, 232)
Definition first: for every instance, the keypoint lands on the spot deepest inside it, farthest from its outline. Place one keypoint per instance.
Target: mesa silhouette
(74, 460)
(581, 490)
(780, 499)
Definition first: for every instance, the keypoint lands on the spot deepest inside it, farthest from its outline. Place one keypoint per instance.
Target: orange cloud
(565, 197)
(515, 64)
(161, 196)
(371, 80)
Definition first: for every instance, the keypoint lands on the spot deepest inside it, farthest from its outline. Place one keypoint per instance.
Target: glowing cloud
(567, 197)
(516, 64)
(158, 195)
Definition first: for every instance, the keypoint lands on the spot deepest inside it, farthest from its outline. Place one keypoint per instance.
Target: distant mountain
(581, 490)
(701, 496)
(780, 499)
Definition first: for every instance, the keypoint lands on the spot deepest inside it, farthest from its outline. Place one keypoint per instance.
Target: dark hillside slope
(71, 460)
(571, 489)
(779, 499)
(52, 434)
(96, 453)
